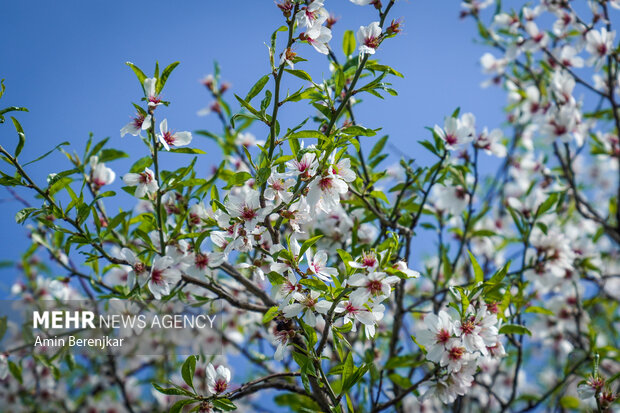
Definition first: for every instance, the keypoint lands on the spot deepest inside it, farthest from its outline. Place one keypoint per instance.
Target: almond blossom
(369, 262)
(305, 167)
(491, 143)
(289, 289)
(368, 317)
(437, 332)
(162, 276)
(4, 367)
(599, 44)
(342, 169)
(324, 192)
(277, 188)
(454, 133)
(217, 380)
(100, 175)
(168, 138)
(451, 199)
(247, 208)
(312, 15)
(317, 264)
(138, 268)
(150, 85)
(139, 123)
(368, 38)
(318, 37)
(144, 181)
(306, 306)
(201, 263)
(375, 286)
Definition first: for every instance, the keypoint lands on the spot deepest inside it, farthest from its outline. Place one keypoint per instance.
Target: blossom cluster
(459, 345)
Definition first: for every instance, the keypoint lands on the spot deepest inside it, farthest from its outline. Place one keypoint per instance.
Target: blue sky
(65, 61)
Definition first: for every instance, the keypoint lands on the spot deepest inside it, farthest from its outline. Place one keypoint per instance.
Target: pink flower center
(194, 219)
(374, 286)
(326, 183)
(248, 213)
(451, 139)
(369, 261)
(201, 261)
(145, 178)
(220, 386)
(443, 336)
(460, 193)
(456, 353)
(99, 182)
(310, 15)
(138, 121)
(169, 138)
(372, 42)
(559, 129)
(468, 327)
(278, 185)
(303, 166)
(349, 308)
(157, 276)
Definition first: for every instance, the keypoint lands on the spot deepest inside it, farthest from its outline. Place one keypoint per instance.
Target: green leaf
(314, 284)
(307, 244)
(499, 276)
(16, 371)
(161, 80)
(380, 195)
(249, 107)
(3, 326)
(357, 130)
(21, 135)
(376, 150)
(223, 404)
(139, 73)
(548, 204)
(178, 406)
(569, 402)
(171, 391)
(108, 155)
(270, 314)
(239, 178)
(97, 148)
(191, 151)
(300, 74)
(309, 133)
(400, 361)
(478, 273)
(11, 109)
(262, 176)
(383, 68)
(538, 310)
(188, 369)
(348, 43)
(514, 329)
(47, 153)
(256, 89)
(399, 380)
(140, 164)
(23, 214)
